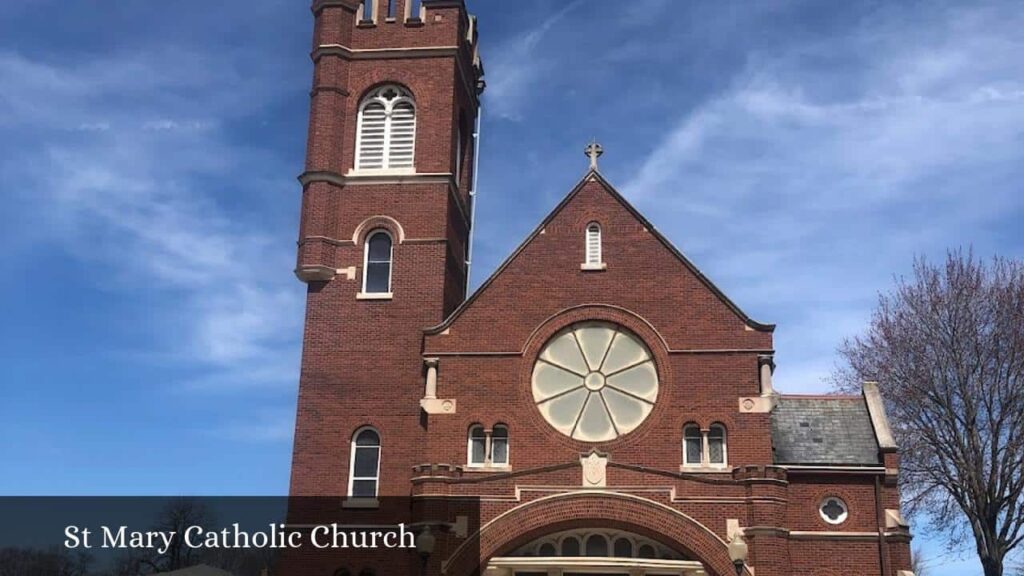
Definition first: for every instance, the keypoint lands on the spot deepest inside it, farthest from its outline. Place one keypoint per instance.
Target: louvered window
(387, 130)
(593, 243)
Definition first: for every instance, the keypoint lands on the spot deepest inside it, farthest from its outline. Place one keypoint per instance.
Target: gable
(644, 274)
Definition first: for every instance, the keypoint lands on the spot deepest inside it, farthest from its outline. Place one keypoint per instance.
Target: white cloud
(800, 194)
(136, 197)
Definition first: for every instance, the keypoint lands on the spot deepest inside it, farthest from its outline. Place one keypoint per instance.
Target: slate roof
(823, 430)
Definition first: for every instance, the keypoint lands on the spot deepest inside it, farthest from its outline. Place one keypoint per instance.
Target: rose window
(595, 381)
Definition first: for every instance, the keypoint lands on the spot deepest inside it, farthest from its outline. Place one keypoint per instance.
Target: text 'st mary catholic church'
(610, 409)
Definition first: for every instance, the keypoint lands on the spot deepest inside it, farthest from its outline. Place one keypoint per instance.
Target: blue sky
(801, 153)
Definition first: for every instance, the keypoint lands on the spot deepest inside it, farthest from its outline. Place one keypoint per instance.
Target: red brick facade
(364, 360)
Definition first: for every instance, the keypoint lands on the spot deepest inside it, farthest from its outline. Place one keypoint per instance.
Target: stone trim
(880, 422)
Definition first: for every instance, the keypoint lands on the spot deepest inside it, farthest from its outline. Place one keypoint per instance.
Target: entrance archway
(510, 531)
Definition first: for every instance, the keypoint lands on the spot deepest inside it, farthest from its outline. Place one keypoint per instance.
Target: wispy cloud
(132, 197)
(515, 66)
(793, 174)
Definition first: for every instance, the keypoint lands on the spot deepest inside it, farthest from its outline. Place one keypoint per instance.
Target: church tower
(385, 231)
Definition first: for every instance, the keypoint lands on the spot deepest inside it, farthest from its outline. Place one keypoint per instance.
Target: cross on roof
(593, 151)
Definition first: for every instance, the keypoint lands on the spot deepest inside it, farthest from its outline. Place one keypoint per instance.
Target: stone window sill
(382, 172)
(593, 266)
(374, 296)
(709, 469)
(361, 503)
(486, 468)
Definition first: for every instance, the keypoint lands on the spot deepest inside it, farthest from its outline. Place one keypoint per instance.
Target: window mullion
(389, 110)
(705, 455)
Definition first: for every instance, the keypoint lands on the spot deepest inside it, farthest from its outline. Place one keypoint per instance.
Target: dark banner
(233, 536)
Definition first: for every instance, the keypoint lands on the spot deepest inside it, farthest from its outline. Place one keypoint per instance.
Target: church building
(606, 407)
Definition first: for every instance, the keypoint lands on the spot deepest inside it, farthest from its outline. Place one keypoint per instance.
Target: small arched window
(571, 546)
(597, 545)
(364, 470)
(499, 445)
(693, 445)
(593, 244)
(386, 133)
(717, 454)
(477, 445)
(623, 548)
(377, 263)
(487, 447)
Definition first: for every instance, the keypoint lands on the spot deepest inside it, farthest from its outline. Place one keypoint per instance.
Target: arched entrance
(500, 539)
(588, 551)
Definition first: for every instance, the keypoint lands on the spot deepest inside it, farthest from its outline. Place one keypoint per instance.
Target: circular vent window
(595, 381)
(833, 510)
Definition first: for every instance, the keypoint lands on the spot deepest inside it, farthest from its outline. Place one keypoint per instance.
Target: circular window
(833, 510)
(595, 381)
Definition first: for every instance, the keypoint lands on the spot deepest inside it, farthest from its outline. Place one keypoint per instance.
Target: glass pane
(547, 549)
(626, 350)
(565, 352)
(570, 547)
(477, 450)
(499, 450)
(595, 425)
(594, 339)
(646, 551)
(627, 412)
(562, 412)
(378, 277)
(366, 462)
(549, 380)
(368, 438)
(380, 248)
(716, 450)
(597, 546)
(693, 450)
(639, 381)
(364, 488)
(623, 548)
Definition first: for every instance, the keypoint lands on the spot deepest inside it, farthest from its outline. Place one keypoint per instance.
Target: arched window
(623, 548)
(499, 445)
(364, 471)
(717, 454)
(597, 545)
(386, 135)
(647, 551)
(377, 263)
(477, 445)
(593, 243)
(570, 546)
(487, 447)
(693, 445)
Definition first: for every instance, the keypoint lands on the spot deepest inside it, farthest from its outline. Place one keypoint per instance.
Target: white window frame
(488, 447)
(376, 96)
(364, 294)
(352, 463)
(705, 447)
(593, 254)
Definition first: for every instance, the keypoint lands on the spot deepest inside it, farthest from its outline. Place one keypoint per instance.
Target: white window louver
(593, 244)
(387, 130)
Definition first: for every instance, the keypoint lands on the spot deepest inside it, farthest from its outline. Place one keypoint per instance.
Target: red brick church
(607, 406)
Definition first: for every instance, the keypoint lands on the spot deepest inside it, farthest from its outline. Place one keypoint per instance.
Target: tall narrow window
(414, 8)
(477, 446)
(392, 9)
(364, 471)
(499, 446)
(593, 243)
(368, 11)
(377, 263)
(386, 136)
(693, 446)
(716, 445)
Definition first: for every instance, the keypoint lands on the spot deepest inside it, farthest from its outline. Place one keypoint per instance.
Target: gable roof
(594, 175)
(824, 430)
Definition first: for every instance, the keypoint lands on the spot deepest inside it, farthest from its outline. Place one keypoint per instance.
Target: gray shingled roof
(823, 430)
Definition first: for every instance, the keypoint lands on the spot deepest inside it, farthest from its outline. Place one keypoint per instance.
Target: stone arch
(533, 519)
(378, 222)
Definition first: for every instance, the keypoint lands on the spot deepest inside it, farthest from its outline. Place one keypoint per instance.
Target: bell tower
(385, 229)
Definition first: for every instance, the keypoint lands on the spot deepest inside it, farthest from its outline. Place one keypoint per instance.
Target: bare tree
(917, 563)
(177, 516)
(947, 347)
